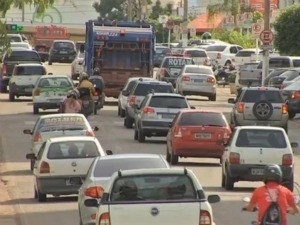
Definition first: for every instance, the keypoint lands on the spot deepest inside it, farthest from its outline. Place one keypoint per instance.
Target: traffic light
(13, 27)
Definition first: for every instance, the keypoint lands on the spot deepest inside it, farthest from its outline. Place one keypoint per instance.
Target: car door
(39, 158)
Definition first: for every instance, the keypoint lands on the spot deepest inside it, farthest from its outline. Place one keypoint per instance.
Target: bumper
(47, 105)
(155, 128)
(244, 172)
(21, 90)
(202, 90)
(57, 185)
(294, 106)
(240, 121)
(196, 149)
(86, 212)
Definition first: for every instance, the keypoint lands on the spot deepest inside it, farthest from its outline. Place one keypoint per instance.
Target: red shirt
(263, 196)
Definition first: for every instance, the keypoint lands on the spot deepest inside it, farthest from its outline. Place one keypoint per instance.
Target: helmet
(73, 93)
(96, 71)
(84, 75)
(273, 173)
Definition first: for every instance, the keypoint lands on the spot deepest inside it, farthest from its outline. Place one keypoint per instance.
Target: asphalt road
(16, 116)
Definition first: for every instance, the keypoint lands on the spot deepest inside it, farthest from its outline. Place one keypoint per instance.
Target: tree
(111, 9)
(287, 31)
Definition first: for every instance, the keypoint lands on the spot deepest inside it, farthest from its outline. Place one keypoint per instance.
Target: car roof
(61, 115)
(154, 171)
(20, 49)
(30, 64)
(200, 111)
(53, 76)
(181, 57)
(248, 49)
(197, 66)
(167, 95)
(72, 138)
(142, 78)
(130, 155)
(258, 127)
(261, 88)
(194, 49)
(153, 82)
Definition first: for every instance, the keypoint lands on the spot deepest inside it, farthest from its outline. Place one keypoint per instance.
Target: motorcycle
(86, 101)
(98, 96)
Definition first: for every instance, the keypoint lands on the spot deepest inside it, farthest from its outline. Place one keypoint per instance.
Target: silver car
(77, 65)
(100, 172)
(155, 114)
(197, 80)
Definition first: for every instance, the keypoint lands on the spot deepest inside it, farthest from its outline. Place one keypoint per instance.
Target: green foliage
(256, 16)
(287, 29)
(111, 9)
(234, 37)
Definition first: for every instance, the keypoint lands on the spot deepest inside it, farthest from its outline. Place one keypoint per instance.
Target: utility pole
(267, 14)
(184, 35)
(129, 10)
(23, 10)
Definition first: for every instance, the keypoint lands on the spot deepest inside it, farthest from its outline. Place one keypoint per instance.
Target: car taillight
(163, 72)
(37, 137)
(148, 110)
(178, 133)
(45, 168)
(211, 80)
(234, 158)
(219, 56)
(287, 160)
(4, 69)
(295, 95)
(36, 92)
(205, 218)
(131, 100)
(94, 192)
(284, 109)
(90, 133)
(104, 219)
(240, 107)
(185, 78)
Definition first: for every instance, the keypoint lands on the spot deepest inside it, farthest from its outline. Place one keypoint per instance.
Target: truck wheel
(128, 122)
(32, 162)
(229, 184)
(122, 112)
(35, 110)
(11, 97)
(136, 135)
(35, 195)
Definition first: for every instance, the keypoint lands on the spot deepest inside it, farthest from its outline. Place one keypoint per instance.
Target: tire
(289, 184)
(11, 97)
(262, 110)
(135, 134)
(286, 128)
(119, 111)
(174, 159)
(292, 115)
(35, 195)
(32, 162)
(95, 110)
(122, 113)
(223, 180)
(168, 155)
(141, 136)
(229, 184)
(41, 197)
(213, 98)
(35, 110)
(49, 62)
(128, 122)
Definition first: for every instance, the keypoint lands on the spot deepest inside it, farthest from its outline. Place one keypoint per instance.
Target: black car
(160, 53)
(291, 94)
(63, 51)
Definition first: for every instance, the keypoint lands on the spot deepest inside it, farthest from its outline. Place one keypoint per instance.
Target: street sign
(176, 29)
(163, 19)
(170, 24)
(229, 19)
(256, 29)
(248, 16)
(193, 31)
(240, 19)
(266, 36)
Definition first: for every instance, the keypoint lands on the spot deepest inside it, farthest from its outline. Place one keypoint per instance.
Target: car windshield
(15, 39)
(72, 149)
(23, 56)
(202, 119)
(177, 62)
(253, 96)
(144, 89)
(19, 45)
(29, 70)
(254, 138)
(199, 70)
(61, 124)
(162, 50)
(168, 102)
(215, 48)
(153, 187)
(59, 45)
(106, 167)
(62, 82)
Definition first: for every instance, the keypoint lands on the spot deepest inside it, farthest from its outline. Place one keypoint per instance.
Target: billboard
(259, 5)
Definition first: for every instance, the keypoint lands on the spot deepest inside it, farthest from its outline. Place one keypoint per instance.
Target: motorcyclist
(71, 103)
(85, 83)
(96, 72)
(272, 191)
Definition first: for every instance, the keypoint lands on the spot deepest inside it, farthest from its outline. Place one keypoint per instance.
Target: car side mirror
(95, 128)
(109, 152)
(170, 125)
(231, 100)
(213, 198)
(30, 156)
(91, 203)
(27, 131)
(294, 144)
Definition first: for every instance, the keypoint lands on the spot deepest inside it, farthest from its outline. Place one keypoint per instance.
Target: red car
(197, 133)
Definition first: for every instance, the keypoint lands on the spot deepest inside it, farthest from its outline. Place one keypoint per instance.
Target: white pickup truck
(154, 196)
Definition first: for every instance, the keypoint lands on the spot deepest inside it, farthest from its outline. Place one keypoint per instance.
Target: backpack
(272, 215)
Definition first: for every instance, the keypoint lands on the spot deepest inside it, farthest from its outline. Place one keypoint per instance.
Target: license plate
(198, 80)
(73, 181)
(169, 116)
(28, 89)
(203, 135)
(257, 172)
(54, 100)
(63, 52)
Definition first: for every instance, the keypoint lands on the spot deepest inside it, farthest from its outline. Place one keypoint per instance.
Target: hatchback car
(77, 65)
(291, 94)
(100, 172)
(50, 91)
(156, 112)
(57, 125)
(62, 51)
(24, 78)
(197, 133)
(62, 164)
(197, 80)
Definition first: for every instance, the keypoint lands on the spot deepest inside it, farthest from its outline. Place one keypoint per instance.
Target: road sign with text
(266, 36)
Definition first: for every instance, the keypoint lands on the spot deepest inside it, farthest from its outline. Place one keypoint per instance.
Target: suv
(23, 79)
(259, 106)
(16, 56)
(250, 149)
(171, 67)
(138, 93)
(62, 51)
(156, 113)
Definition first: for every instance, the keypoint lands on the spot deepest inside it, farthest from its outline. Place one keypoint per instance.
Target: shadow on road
(50, 199)
(198, 164)
(17, 172)
(236, 189)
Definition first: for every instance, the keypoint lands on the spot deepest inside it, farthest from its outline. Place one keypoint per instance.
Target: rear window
(153, 187)
(23, 56)
(144, 89)
(249, 66)
(202, 118)
(130, 85)
(59, 45)
(55, 82)
(261, 138)
(105, 168)
(245, 53)
(296, 62)
(177, 62)
(215, 48)
(168, 102)
(277, 63)
(196, 53)
(19, 45)
(162, 50)
(73, 149)
(201, 70)
(253, 96)
(61, 124)
(15, 38)
(29, 70)
(290, 75)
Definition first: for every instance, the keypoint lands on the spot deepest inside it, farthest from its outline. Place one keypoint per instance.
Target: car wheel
(136, 135)
(41, 197)
(119, 110)
(3, 88)
(223, 180)
(95, 110)
(213, 98)
(286, 128)
(11, 97)
(174, 159)
(35, 194)
(32, 162)
(35, 110)
(262, 110)
(122, 112)
(128, 122)
(49, 62)
(289, 184)
(141, 135)
(168, 155)
(292, 115)
(229, 184)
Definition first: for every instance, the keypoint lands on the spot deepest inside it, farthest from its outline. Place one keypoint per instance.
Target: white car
(123, 96)
(100, 173)
(50, 91)
(77, 65)
(197, 80)
(57, 125)
(245, 56)
(250, 149)
(20, 45)
(199, 56)
(62, 163)
(155, 196)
